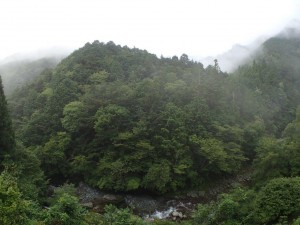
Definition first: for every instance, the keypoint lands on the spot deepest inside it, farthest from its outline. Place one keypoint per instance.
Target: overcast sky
(164, 27)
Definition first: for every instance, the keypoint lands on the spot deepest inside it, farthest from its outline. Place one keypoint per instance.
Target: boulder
(177, 214)
(192, 194)
(201, 193)
(92, 198)
(87, 194)
(141, 204)
(111, 198)
(88, 205)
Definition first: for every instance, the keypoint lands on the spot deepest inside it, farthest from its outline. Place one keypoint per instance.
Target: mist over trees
(124, 120)
(18, 73)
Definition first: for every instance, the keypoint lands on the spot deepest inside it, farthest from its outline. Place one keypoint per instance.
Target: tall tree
(7, 140)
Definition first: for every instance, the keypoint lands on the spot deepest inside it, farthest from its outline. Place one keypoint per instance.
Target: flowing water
(161, 214)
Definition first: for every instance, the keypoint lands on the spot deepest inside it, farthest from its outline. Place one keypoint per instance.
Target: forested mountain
(122, 119)
(111, 107)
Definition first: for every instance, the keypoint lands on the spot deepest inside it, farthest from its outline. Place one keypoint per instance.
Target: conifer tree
(7, 140)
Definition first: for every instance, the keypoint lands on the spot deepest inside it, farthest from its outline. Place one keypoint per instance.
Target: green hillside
(124, 120)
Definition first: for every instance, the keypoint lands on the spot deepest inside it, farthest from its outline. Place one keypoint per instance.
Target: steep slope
(122, 119)
(273, 78)
(270, 88)
(106, 108)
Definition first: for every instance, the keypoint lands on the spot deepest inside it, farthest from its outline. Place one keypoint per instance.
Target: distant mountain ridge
(238, 55)
(17, 73)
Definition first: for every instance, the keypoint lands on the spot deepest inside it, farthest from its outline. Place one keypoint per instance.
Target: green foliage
(66, 188)
(73, 113)
(228, 209)
(296, 222)
(280, 197)
(253, 132)
(52, 154)
(36, 130)
(109, 119)
(31, 178)
(233, 208)
(215, 157)
(204, 215)
(93, 218)
(99, 77)
(66, 211)
(279, 157)
(271, 159)
(133, 184)
(115, 216)
(13, 208)
(158, 177)
(165, 222)
(276, 203)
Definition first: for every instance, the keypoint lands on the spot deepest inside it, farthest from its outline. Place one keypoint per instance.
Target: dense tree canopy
(121, 119)
(121, 106)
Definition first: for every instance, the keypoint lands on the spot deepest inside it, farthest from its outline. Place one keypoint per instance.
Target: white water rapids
(161, 214)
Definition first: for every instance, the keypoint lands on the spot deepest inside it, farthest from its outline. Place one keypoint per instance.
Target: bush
(279, 198)
(115, 216)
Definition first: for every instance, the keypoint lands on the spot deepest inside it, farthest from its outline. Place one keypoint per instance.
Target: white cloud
(195, 27)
